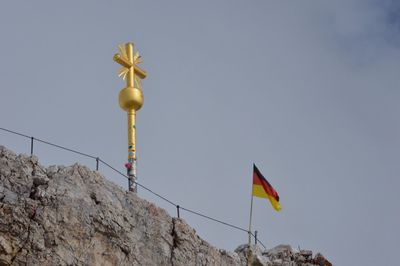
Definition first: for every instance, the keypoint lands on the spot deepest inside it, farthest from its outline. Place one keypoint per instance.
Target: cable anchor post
(97, 163)
(32, 139)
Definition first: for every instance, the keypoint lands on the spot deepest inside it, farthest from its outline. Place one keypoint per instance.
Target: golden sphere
(130, 99)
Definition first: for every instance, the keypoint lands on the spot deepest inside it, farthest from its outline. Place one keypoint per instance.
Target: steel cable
(138, 184)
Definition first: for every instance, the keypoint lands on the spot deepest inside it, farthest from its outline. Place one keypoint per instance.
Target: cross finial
(129, 62)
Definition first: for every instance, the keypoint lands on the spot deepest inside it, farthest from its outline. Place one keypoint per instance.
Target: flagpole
(251, 214)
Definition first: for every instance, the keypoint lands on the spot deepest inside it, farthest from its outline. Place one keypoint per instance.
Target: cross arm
(124, 62)
(140, 72)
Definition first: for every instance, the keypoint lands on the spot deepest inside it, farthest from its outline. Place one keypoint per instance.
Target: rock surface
(74, 216)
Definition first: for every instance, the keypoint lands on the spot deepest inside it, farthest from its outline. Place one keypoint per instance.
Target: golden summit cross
(129, 62)
(130, 100)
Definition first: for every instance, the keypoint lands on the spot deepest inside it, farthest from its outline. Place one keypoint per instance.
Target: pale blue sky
(308, 90)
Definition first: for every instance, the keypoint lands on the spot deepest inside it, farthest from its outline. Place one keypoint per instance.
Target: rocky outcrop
(281, 255)
(74, 216)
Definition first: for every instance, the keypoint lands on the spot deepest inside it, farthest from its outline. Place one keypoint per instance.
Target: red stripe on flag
(259, 179)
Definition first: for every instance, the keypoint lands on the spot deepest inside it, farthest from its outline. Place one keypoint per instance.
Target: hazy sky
(307, 90)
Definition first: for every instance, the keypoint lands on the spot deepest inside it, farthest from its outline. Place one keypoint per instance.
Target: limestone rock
(74, 216)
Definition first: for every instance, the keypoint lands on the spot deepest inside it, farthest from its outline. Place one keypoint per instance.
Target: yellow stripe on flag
(258, 191)
(274, 203)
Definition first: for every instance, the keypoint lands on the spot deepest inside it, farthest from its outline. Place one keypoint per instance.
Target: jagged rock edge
(82, 171)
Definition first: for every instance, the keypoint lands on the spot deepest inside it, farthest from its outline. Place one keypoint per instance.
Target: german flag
(263, 189)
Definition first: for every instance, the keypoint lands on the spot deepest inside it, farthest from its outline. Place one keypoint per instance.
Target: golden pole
(130, 100)
(131, 165)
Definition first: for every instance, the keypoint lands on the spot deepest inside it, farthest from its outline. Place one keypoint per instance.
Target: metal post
(32, 138)
(177, 210)
(132, 159)
(131, 183)
(251, 214)
(97, 164)
(255, 237)
(131, 173)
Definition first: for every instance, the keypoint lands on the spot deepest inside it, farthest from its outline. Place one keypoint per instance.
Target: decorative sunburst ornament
(137, 59)
(128, 64)
(123, 71)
